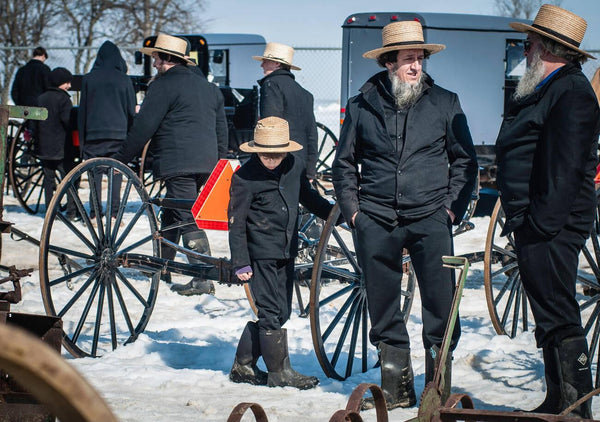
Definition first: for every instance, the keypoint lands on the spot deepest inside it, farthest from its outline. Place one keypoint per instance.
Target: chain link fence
(320, 74)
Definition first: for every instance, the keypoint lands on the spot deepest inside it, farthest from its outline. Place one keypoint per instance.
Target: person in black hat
(547, 154)
(403, 174)
(32, 79)
(180, 113)
(54, 134)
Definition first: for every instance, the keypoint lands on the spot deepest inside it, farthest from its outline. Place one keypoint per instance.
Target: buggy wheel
(507, 303)
(325, 154)
(588, 293)
(102, 303)
(338, 303)
(504, 293)
(155, 188)
(25, 173)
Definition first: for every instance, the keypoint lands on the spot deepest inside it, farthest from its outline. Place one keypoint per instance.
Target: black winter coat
(30, 82)
(54, 132)
(435, 167)
(263, 210)
(547, 155)
(281, 96)
(179, 113)
(107, 102)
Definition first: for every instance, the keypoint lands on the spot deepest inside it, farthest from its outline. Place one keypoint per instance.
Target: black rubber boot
(196, 241)
(274, 348)
(552, 402)
(397, 379)
(244, 368)
(432, 360)
(575, 375)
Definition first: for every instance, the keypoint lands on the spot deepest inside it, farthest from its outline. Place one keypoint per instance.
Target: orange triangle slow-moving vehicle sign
(210, 208)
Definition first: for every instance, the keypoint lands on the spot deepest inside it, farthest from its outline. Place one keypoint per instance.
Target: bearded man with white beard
(417, 171)
(546, 153)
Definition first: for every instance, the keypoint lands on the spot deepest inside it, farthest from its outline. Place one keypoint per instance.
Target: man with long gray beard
(417, 171)
(547, 154)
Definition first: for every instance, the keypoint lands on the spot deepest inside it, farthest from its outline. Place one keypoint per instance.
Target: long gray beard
(531, 78)
(405, 93)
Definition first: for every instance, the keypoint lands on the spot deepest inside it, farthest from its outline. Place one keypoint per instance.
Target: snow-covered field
(178, 368)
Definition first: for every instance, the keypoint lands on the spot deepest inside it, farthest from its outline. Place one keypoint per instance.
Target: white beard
(405, 93)
(531, 78)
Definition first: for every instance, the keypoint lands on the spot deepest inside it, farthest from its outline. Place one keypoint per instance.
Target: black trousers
(49, 169)
(104, 148)
(272, 286)
(180, 187)
(548, 271)
(379, 251)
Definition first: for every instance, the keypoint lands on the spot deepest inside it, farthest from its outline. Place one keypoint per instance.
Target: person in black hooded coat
(106, 110)
(54, 133)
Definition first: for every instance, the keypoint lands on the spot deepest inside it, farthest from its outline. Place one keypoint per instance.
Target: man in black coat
(547, 155)
(180, 114)
(281, 96)
(32, 79)
(417, 172)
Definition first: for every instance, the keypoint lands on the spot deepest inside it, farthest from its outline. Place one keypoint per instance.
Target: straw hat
(279, 53)
(559, 25)
(403, 35)
(175, 46)
(271, 134)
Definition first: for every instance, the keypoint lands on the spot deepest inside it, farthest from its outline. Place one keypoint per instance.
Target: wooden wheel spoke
(139, 213)
(346, 250)
(98, 322)
(132, 289)
(336, 295)
(92, 247)
(349, 302)
(345, 329)
(70, 276)
(111, 315)
(354, 338)
(77, 295)
(85, 313)
(123, 306)
(514, 289)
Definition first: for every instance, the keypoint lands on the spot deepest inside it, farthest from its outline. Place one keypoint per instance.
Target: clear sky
(306, 23)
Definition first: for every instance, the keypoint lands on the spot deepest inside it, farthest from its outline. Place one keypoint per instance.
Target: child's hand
(245, 276)
(244, 273)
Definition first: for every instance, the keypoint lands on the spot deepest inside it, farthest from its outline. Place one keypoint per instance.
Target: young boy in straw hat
(263, 238)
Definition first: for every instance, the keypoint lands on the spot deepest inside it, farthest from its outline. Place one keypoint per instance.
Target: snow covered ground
(178, 368)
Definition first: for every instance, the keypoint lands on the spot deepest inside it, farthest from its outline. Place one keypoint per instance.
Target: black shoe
(195, 287)
(274, 349)
(397, 379)
(248, 351)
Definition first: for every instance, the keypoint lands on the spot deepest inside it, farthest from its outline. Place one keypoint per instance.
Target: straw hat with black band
(279, 53)
(168, 44)
(403, 35)
(271, 135)
(559, 25)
